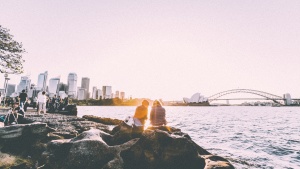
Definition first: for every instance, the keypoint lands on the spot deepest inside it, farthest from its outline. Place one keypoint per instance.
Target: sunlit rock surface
(71, 142)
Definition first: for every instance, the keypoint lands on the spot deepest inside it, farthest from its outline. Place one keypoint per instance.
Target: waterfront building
(24, 84)
(81, 93)
(85, 83)
(196, 98)
(53, 86)
(42, 81)
(72, 85)
(106, 92)
(117, 95)
(94, 94)
(11, 88)
(288, 99)
(99, 94)
(122, 95)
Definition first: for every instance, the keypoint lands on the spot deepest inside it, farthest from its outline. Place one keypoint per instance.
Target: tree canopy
(11, 51)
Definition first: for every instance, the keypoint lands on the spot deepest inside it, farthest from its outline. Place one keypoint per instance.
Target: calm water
(250, 137)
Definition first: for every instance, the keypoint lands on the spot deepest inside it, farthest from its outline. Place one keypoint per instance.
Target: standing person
(157, 114)
(23, 98)
(141, 114)
(42, 99)
(0, 99)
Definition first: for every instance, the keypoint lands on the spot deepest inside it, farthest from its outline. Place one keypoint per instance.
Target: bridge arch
(266, 95)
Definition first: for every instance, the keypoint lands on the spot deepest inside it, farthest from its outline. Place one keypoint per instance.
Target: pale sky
(165, 49)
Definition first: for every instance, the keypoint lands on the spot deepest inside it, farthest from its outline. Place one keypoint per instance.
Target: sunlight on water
(250, 137)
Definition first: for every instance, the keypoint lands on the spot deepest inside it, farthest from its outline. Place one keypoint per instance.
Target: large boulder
(157, 149)
(88, 150)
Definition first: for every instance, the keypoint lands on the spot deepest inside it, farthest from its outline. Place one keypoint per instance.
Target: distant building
(99, 94)
(85, 83)
(94, 94)
(122, 95)
(288, 99)
(63, 87)
(11, 88)
(196, 98)
(81, 93)
(72, 85)
(53, 86)
(117, 95)
(42, 81)
(106, 92)
(24, 84)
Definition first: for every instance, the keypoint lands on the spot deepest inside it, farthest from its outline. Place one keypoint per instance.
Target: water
(250, 137)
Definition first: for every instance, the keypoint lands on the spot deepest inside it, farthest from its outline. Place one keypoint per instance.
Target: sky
(166, 49)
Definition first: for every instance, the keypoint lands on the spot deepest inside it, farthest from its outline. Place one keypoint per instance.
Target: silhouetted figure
(157, 114)
(141, 113)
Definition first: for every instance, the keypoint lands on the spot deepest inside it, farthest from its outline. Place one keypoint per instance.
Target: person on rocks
(141, 114)
(157, 114)
(42, 99)
(23, 98)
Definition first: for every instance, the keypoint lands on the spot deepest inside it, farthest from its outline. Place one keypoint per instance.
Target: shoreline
(50, 135)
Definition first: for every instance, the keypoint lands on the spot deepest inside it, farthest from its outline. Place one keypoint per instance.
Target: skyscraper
(10, 89)
(72, 85)
(42, 81)
(99, 94)
(94, 94)
(122, 95)
(24, 84)
(85, 83)
(81, 93)
(106, 92)
(117, 95)
(53, 86)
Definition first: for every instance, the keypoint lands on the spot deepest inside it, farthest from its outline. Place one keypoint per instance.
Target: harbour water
(250, 137)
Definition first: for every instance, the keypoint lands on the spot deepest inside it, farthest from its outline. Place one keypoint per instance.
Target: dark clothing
(141, 113)
(23, 97)
(158, 116)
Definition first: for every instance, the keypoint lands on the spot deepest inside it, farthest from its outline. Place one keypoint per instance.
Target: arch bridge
(265, 95)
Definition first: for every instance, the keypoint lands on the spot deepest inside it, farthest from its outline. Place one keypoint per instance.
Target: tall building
(122, 95)
(85, 83)
(106, 92)
(94, 94)
(24, 84)
(72, 85)
(62, 87)
(99, 94)
(117, 95)
(53, 86)
(81, 93)
(42, 81)
(11, 88)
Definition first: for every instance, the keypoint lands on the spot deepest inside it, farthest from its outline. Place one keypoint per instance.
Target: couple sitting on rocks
(157, 114)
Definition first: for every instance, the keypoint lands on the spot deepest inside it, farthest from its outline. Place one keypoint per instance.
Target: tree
(11, 61)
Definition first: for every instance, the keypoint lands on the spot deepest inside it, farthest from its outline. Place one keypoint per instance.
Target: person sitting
(157, 114)
(141, 114)
(12, 117)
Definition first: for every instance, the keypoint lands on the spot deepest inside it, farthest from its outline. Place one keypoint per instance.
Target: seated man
(141, 114)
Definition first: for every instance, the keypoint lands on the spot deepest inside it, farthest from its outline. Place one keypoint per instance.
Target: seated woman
(157, 114)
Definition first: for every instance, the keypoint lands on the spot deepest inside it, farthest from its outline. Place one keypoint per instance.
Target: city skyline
(166, 50)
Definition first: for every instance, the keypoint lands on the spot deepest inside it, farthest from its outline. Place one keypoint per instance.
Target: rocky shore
(54, 141)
